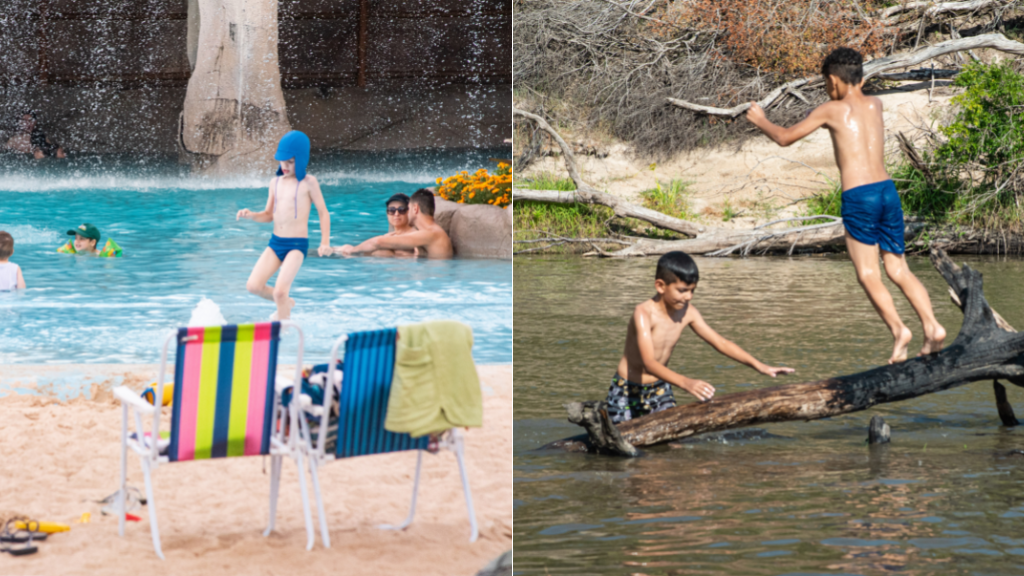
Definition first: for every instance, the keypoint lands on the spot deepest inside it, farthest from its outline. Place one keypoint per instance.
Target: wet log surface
(981, 351)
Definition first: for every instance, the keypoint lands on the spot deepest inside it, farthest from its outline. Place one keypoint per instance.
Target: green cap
(86, 231)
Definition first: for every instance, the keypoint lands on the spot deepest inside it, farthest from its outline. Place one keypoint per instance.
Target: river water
(788, 498)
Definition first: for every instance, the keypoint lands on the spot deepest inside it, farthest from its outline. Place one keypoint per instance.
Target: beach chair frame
(283, 442)
(452, 441)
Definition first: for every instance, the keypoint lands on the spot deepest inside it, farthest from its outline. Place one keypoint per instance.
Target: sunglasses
(397, 210)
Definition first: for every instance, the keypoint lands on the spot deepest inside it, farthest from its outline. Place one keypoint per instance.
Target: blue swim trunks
(282, 246)
(872, 214)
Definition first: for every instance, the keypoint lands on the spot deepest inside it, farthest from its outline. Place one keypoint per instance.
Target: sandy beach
(60, 458)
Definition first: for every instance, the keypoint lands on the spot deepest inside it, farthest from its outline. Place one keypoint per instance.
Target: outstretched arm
(731, 349)
(642, 324)
(786, 136)
(325, 217)
(267, 215)
(365, 247)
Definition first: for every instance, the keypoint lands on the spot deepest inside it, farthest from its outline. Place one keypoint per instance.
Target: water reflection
(799, 498)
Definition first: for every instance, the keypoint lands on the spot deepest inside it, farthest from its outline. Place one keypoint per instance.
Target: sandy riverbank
(59, 458)
(759, 179)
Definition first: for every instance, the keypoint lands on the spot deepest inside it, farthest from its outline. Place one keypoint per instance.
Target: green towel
(435, 386)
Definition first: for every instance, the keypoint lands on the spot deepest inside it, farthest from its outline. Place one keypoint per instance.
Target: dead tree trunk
(982, 351)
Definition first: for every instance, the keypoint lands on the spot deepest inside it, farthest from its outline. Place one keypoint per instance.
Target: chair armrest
(127, 395)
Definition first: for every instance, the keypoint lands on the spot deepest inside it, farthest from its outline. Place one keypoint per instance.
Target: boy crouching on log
(643, 383)
(871, 209)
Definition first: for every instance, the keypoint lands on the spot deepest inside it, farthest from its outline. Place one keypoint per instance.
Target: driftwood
(706, 239)
(587, 194)
(932, 9)
(981, 351)
(873, 68)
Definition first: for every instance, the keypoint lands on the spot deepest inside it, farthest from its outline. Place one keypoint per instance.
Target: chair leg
(305, 500)
(124, 469)
(275, 482)
(314, 472)
(459, 454)
(412, 507)
(151, 504)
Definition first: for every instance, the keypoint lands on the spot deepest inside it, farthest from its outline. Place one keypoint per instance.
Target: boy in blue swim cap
(871, 210)
(292, 194)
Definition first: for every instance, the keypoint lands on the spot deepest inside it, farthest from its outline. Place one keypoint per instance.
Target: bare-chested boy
(871, 210)
(292, 194)
(643, 383)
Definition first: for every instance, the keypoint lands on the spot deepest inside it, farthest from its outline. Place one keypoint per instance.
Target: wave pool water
(181, 243)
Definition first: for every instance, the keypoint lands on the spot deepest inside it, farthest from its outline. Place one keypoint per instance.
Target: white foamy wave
(26, 183)
(26, 234)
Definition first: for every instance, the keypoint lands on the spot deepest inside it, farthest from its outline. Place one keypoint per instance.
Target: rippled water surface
(944, 497)
(181, 243)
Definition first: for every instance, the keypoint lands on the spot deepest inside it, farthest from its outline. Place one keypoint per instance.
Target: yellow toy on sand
(48, 527)
(150, 393)
(110, 249)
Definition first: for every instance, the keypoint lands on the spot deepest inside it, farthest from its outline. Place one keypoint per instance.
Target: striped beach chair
(362, 407)
(226, 403)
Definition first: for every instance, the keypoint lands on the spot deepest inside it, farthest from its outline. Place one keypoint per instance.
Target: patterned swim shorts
(628, 400)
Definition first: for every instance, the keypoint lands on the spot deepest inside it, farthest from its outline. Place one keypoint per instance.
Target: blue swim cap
(294, 144)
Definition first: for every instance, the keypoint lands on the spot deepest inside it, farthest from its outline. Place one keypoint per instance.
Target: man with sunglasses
(426, 239)
(398, 224)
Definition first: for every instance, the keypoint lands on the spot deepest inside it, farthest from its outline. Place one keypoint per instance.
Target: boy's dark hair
(844, 63)
(424, 198)
(6, 244)
(400, 198)
(677, 267)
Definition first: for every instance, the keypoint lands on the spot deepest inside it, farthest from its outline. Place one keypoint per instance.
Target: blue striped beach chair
(227, 403)
(362, 407)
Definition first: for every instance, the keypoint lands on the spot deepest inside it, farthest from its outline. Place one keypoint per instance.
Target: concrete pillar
(234, 108)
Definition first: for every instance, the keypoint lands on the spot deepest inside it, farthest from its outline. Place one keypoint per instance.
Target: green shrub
(546, 181)
(672, 200)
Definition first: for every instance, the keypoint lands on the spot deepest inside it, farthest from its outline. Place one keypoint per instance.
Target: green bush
(671, 200)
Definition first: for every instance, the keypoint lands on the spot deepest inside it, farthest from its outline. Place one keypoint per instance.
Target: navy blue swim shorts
(282, 246)
(872, 214)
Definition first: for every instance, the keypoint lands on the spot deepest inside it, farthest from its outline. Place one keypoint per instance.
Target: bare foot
(899, 345)
(933, 341)
(283, 312)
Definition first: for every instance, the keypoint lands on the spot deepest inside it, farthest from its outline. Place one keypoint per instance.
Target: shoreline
(63, 456)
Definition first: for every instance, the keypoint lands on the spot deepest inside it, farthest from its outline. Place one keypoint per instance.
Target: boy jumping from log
(643, 382)
(871, 208)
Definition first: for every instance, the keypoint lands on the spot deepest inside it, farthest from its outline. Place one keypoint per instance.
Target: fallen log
(981, 351)
(587, 194)
(707, 240)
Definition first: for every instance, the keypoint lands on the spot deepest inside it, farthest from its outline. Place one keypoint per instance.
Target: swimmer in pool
(292, 194)
(428, 239)
(398, 222)
(872, 213)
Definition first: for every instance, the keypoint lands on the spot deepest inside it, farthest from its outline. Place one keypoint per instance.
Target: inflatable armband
(110, 250)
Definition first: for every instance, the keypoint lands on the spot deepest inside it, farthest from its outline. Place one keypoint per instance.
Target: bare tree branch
(873, 68)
